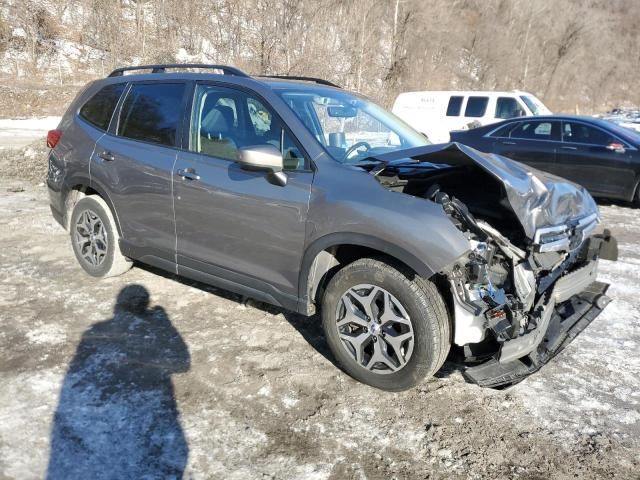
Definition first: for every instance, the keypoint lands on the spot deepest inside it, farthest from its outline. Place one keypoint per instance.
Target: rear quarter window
(504, 131)
(99, 108)
(152, 113)
(476, 107)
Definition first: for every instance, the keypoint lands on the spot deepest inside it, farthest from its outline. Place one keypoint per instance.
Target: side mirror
(263, 158)
(616, 147)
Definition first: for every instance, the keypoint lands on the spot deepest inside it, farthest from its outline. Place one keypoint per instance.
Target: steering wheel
(354, 147)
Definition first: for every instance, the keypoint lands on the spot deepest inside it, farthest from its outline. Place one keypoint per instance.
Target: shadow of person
(117, 415)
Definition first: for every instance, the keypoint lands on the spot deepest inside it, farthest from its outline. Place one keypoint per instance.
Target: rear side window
(507, 107)
(152, 113)
(575, 132)
(99, 109)
(537, 130)
(476, 107)
(454, 107)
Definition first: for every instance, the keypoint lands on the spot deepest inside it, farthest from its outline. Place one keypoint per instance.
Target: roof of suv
(159, 72)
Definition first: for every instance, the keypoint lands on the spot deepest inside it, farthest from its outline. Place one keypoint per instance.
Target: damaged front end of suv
(527, 284)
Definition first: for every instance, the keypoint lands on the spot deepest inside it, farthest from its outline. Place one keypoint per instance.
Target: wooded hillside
(571, 53)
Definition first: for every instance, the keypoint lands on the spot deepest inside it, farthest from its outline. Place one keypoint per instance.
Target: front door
(231, 223)
(135, 163)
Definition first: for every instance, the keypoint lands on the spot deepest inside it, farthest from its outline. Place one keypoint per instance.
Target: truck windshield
(535, 105)
(350, 127)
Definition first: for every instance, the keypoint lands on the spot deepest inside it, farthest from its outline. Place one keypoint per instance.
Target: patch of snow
(289, 401)
(16, 133)
(593, 384)
(9, 125)
(47, 334)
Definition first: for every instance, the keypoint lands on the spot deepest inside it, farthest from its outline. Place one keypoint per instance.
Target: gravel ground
(205, 384)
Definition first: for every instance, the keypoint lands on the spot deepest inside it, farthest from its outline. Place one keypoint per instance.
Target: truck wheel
(94, 238)
(385, 326)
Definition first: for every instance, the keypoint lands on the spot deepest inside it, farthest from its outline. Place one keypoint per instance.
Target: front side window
(99, 109)
(476, 107)
(507, 107)
(152, 113)
(454, 107)
(225, 119)
(350, 127)
(575, 132)
(537, 130)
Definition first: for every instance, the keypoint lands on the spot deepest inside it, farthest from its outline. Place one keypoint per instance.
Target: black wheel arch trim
(84, 181)
(358, 239)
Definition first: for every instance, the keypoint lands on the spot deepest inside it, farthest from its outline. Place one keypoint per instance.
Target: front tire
(386, 326)
(94, 239)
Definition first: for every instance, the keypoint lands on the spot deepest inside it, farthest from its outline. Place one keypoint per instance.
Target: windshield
(535, 105)
(350, 127)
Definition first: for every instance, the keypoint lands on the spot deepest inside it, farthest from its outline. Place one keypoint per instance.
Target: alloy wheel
(91, 238)
(375, 329)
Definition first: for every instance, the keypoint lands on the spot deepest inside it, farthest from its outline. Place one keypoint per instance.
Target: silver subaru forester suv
(300, 194)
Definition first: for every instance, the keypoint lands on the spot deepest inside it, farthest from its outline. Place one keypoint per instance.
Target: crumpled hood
(538, 199)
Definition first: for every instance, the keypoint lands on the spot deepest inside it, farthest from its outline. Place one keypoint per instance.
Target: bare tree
(570, 52)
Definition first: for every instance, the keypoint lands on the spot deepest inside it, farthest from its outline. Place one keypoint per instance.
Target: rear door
(533, 142)
(232, 223)
(93, 120)
(134, 163)
(589, 155)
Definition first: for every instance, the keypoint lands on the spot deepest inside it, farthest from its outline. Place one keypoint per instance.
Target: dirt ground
(205, 384)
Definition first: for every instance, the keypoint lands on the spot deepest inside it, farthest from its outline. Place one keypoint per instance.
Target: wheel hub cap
(375, 329)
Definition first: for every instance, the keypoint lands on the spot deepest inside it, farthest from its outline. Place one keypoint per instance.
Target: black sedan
(600, 155)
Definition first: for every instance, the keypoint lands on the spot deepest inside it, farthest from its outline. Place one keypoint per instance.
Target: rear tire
(95, 239)
(396, 331)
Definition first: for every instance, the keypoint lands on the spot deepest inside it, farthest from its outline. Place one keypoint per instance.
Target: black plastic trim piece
(161, 68)
(358, 239)
(319, 81)
(235, 282)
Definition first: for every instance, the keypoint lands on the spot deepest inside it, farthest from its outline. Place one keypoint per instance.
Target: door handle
(567, 147)
(188, 173)
(106, 156)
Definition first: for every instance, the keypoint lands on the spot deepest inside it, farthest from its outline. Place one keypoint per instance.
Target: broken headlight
(553, 239)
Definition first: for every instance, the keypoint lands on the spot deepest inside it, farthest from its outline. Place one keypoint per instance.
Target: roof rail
(161, 68)
(307, 79)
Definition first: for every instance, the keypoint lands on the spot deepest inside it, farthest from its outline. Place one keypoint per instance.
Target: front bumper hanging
(572, 304)
(568, 319)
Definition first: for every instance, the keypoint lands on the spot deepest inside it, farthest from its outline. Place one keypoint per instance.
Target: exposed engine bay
(508, 289)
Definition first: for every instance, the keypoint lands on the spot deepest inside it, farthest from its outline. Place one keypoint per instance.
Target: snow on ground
(17, 133)
(593, 385)
(208, 385)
